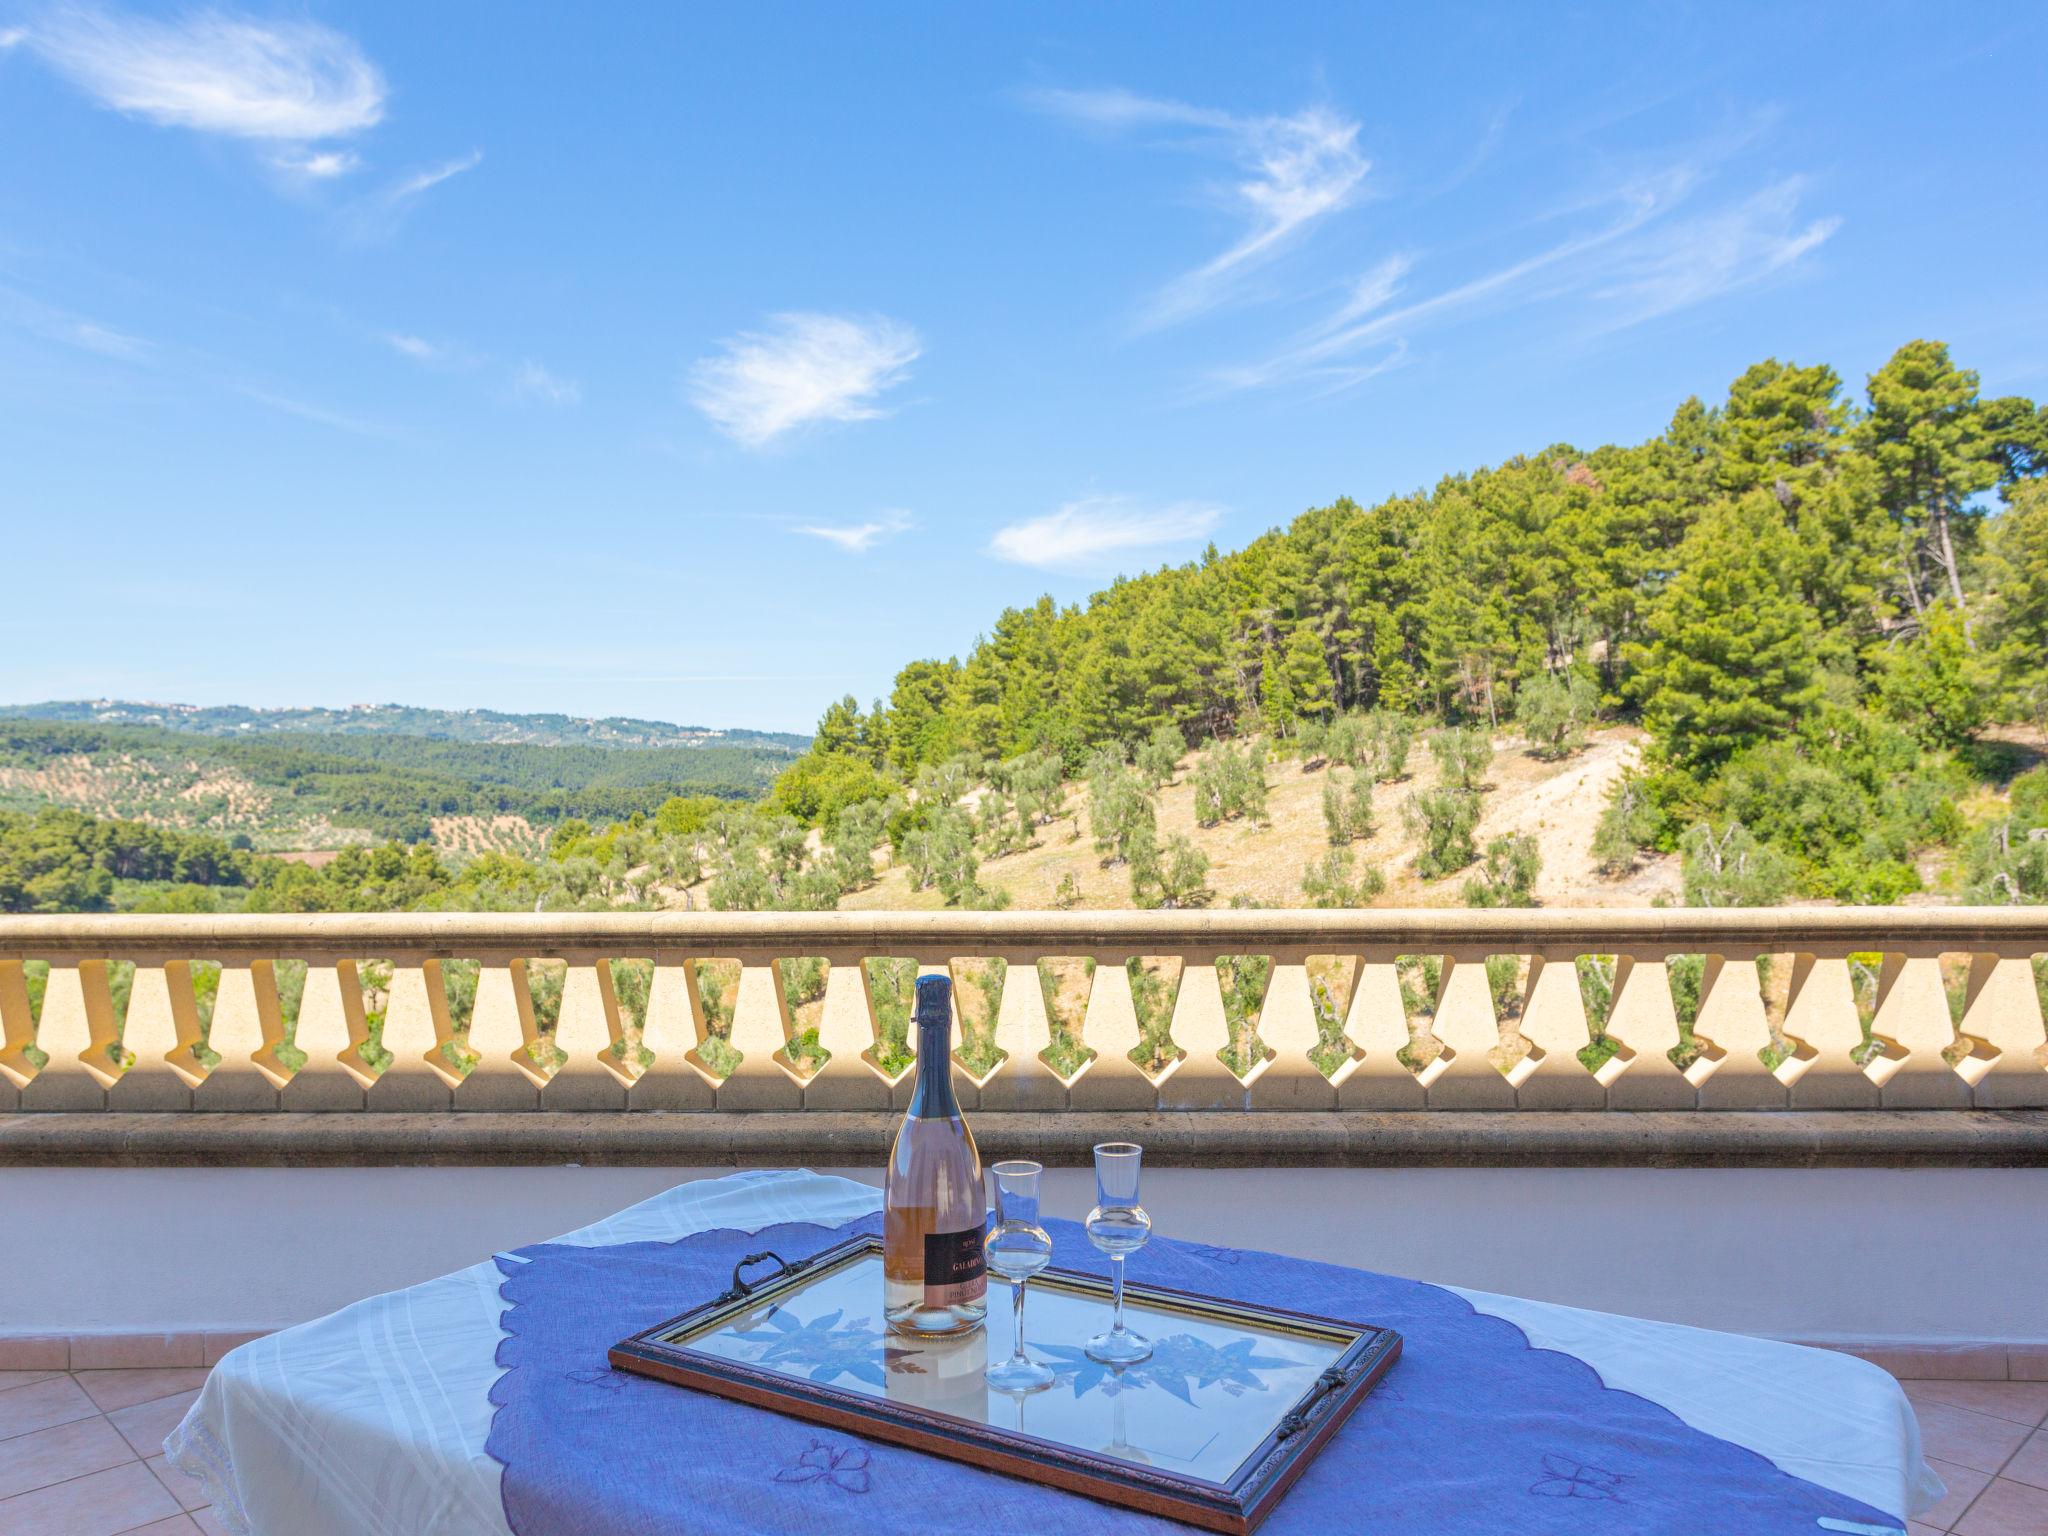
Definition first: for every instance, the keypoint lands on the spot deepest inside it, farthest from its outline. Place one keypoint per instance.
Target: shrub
(1329, 881)
(1443, 819)
(1731, 868)
(1159, 755)
(1462, 754)
(1228, 783)
(1507, 875)
(1347, 816)
(1628, 823)
(1554, 711)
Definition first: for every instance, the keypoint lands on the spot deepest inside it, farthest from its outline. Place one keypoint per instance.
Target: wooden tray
(1213, 1429)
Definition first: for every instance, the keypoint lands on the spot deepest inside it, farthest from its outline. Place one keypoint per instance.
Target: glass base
(1015, 1375)
(1119, 1347)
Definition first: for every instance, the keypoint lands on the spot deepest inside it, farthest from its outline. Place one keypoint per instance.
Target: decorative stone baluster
(77, 1033)
(1288, 1078)
(1111, 1080)
(1023, 1035)
(419, 1076)
(17, 1033)
(971, 1007)
(589, 1074)
(1644, 1024)
(1914, 1025)
(245, 1033)
(1822, 1013)
(670, 1032)
(765, 1078)
(1378, 1025)
(502, 1032)
(1551, 1076)
(160, 1035)
(849, 1080)
(1201, 1032)
(1732, 1017)
(332, 1032)
(2003, 1009)
(1470, 1031)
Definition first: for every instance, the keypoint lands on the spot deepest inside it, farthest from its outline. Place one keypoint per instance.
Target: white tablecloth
(372, 1421)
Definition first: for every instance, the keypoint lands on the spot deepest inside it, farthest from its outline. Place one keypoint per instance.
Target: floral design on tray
(828, 1347)
(1180, 1364)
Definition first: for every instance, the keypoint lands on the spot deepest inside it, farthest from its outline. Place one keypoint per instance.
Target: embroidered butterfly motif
(845, 1468)
(1570, 1479)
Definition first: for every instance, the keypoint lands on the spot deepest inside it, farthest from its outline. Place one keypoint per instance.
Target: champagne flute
(1118, 1226)
(1017, 1248)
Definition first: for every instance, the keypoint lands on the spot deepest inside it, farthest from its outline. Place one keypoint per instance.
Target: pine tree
(1729, 653)
(1932, 450)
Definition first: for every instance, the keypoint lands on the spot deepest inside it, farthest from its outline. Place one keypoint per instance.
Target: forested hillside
(1793, 648)
(304, 790)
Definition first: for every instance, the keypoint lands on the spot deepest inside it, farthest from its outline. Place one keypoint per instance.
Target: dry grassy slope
(1559, 803)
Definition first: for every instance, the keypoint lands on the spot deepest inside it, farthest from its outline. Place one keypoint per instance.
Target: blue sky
(707, 363)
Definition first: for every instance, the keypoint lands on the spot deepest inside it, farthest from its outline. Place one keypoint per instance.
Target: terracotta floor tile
(101, 1504)
(124, 1389)
(177, 1525)
(208, 1522)
(2024, 1402)
(56, 1401)
(2004, 1509)
(146, 1424)
(1963, 1485)
(2029, 1464)
(59, 1453)
(188, 1491)
(10, 1379)
(1915, 1528)
(1973, 1440)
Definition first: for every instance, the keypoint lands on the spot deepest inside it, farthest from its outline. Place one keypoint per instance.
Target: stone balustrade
(1812, 1009)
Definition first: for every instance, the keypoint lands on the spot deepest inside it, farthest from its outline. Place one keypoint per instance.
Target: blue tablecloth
(1473, 1432)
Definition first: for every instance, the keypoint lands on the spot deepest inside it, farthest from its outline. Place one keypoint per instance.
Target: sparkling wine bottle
(934, 1277)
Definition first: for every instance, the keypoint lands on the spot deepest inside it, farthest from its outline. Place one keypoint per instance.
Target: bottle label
(955, 1270)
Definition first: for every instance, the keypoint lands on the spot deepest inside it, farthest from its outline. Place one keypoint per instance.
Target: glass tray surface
(1201, 1405)
(1232, 1403)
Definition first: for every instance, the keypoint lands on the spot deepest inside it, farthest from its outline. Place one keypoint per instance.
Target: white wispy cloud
(105, 340)
(1083, 533)
(418, 348)
(1296, 170)
(28, 313)
(410, 187)
(9, 36)
(530, 381)
(1699, 259)
(801, 369)
(377, 215)
(1639, 259)
(858, 538)
(317, 165)
(291, 81)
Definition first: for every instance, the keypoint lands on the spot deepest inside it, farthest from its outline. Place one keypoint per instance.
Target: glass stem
(1018, 1354)
(1116, 1272)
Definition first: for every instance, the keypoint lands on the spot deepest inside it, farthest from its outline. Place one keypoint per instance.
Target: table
(374, 1419)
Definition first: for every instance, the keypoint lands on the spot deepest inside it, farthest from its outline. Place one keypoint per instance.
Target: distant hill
(290, 786)
(487, 726)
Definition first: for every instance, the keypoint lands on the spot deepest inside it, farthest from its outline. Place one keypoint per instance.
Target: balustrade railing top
(1373, 1009)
